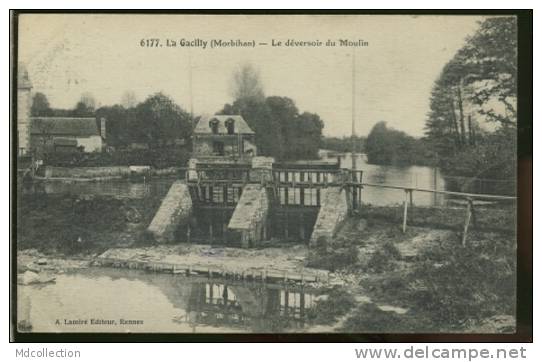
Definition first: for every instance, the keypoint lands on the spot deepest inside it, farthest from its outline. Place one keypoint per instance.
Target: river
(407, 176)
(137, 301)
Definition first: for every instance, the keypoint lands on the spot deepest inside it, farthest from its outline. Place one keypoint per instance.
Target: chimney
(102, 128)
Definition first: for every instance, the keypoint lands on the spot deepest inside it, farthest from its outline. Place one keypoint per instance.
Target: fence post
(405, 210)
(467, 222)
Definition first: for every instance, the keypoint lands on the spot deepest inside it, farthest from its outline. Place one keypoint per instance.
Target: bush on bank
(155, 157)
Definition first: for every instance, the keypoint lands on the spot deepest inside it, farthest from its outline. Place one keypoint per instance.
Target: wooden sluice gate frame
(284, 178)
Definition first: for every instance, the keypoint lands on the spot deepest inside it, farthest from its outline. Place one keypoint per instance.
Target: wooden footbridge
(220, 185)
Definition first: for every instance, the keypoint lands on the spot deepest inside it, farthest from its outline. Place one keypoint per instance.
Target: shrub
(384, 258)
(337, 304)
(338, 257)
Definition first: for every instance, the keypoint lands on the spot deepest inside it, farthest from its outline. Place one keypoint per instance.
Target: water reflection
(164, 303)
(258, 308)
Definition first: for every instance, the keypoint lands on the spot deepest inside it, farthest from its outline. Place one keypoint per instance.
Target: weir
(232, 195)
(242, 203)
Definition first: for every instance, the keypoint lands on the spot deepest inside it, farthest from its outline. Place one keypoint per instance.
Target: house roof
(240, 125)
(72, 126)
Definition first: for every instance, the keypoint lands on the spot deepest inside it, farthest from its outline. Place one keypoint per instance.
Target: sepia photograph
(310, 174)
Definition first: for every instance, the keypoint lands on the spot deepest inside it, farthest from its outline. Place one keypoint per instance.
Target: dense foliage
(471, 126)
(281, 130)
(387, 146)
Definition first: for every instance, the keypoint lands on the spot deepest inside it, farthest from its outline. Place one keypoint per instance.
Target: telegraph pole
(190, 86)
(353, 109)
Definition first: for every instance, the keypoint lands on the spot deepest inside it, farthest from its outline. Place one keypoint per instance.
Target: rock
(31, 252)
(46, 279)
(322, 298)
(499, 324)
(300, 258)
(29, 277)
(389, 308)
(32, 267)
(41, 261)
(362, 299)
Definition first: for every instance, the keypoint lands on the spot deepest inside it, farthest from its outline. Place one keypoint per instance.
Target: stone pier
(175, 210)
(250, 215)
(333, 211)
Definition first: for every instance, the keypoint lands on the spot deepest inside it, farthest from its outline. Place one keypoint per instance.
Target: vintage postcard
(265, 173)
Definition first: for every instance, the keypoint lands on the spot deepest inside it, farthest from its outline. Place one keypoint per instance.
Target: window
(230, 125)
(218, 148)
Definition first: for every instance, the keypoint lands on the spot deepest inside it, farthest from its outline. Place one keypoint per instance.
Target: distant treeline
(387, 146)
(343, 144)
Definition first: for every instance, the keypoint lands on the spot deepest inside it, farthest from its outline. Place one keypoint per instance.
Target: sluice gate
(246, 203)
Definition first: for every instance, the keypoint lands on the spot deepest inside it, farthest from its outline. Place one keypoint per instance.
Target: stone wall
(87, 172)
(174, 211)
(23, 120)
(333, 211)
(250, 215)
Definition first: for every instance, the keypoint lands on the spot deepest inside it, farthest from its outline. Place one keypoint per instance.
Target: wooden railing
(468, 197)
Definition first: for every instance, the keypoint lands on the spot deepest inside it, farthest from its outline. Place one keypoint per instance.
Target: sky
(70, 54)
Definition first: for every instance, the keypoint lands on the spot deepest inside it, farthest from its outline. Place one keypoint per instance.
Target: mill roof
(240, 125)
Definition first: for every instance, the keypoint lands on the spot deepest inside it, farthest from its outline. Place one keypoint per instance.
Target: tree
(40, 106)
(481, 76)
(160, 121)
(129, 99)
(246, 83)
(305, 136)
(387, 146)
(121, 124)
(85, 106)
(490, 64)
(281, 132)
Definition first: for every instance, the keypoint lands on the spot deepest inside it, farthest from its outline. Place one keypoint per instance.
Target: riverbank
(424, 280)
(420, 281)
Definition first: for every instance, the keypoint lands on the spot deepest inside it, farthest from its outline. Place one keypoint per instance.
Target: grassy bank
(431, 282)
(70, 224)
